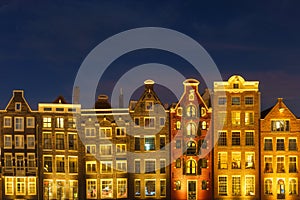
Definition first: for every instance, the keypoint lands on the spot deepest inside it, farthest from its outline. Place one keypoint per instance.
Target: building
(149, 147)
(280, 136)
(19, 149)
(191, 158)
(236, 111)
(61, 172)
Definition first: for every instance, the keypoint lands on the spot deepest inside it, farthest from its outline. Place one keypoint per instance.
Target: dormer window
(191, 95)
(149, 105)
(18, 106)
(236, 86)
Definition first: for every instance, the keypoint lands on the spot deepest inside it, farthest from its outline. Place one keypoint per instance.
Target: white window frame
(22, 183)
(76, 167)
(92, 147)
(47, 122)
(90, 132)
(111, 186)
(122, 194)
(122, 131)
(121, 149)
(59, 122)
(149, 126)
(120, 164)
(91, 163)
(33, 168)
(106, 146)
(106, 163)
(31, 184)
(21, 123)
(22, 142)
(4, 142)
(8, 182)
(107, 132)
(87, 187)
(7, 122)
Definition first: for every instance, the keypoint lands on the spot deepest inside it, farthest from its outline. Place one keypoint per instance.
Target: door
(192, 193)
(280, 189)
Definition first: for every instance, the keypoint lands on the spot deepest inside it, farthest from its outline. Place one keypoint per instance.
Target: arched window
(292, 186)
(191, 148)
(191, 167)
(191, 129)
(191, 111)
(268, 186)
(280, 189)
(178, 163)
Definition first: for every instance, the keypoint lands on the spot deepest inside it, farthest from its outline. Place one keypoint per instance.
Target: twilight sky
(43, 43)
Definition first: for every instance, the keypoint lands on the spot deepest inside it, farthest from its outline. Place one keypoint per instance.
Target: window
(105, 149)
(292, 144)
(7, 141)
(121, 131)
(163, 188)
(121, 148)
(19, 141)
(47, 140)
(162, 142)
(121, 166)
(91, 188)
(30, 122)
(236, 86)
(150, 166)
(20, 186)
(137, 166)
(191, 111)
(268, 164)
(149, 105)
(249, 180)
(162, 166)
(249, 118)
(268, 144)
(191, 95)
(59, 141)
(293, 186)
(90, 149)
(178, 163)
(136, 121)
(72, 139)
(20, 162)
(73, 192)
(191, 167)
(31, 186)
(222, 185)
(60, 164)
(279, 144)
(268, 186)
(31, 161)
(137, 188)
(73, 164)
(235, 101)
(249, 160)
(249, 101)
(203, 111)
(235, 118)
(121, 188)
(179, 111)
(222, 141)
(190, 129)
(162, 121)
(137, 144)
(292, 164)
(30, 141)
(280, 164)
(18, 106)
(106, 167)
(90, 167)
(222, 101)
(47, 163)
(280, 125)
(236, 186)
(106, 188)
(222, 160)
(178, 144)
(48, 189)
(236, 160)
(236, 138)
(191, 148)
(204, 125)
(105, 132)
(204, 185)
(150, 188)
(149, 122)
(249, 138)
(59, 122)
(149, 143)
(19, 123)
(90, 132)
(8, 162)
(7, 122)
(72, 122)
(46, 122)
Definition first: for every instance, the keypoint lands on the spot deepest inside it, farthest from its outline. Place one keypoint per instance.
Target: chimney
(76, 93)
(121, 99)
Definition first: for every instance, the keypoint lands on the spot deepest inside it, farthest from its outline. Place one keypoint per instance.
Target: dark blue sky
(43, 43)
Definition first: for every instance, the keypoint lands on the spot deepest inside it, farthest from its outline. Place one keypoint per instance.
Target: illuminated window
(48, 189)
(279, 144)
(268, 186)
(137, 144)
(60, 189)
(47, 163)
(236, 186)
(222, 101)
(106, 188)
(235, 101)
(46, 122)
(73, 192)
(149, 122)
(90, 167)
(162, 166)
(191, 129)
(249, 160)
(73, 164)
(150, 188)
(249, 101)
(178, 125)
(72, 122)
(163, 188)
(236, 160)
(191, 111)
(59, 122)
(30, 141)
(249, 180)
(162, 142)
(177, 185)
(137, 166)
(191, 167)
(90, 132)
(31, 162)
(222, 160)
(268, 164)
(122, 188)
(137, 188)
(222, 185)
(222, 141)
(150, 166)
(293, 186)
(19, 141)
(105, 132)
(178, 163)
(7, 122)
(149, 143)
(105, 149)
(249, 138)
(73, 141)
(47, 140)
(120, 131)
(280, 164)
(31, 186)
(20, 186)
(203, 111)
(60, 164)
(292, 144)
(90, 148)
(235, 118)
(91, 188)
(121, 166)
(268, 144)
(236, 138)
(280, 125)
(9, 185)
(120, 148)
(106, 167)
(249, 118)
(19, 123)
(7, 141)
(149, 105)
(59, 141)
(204, 125)
(191, 148)
(179, 111)
(293, 164)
